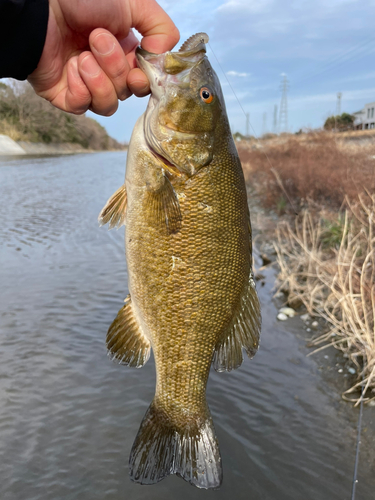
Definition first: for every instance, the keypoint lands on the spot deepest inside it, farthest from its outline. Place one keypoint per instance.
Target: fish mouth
(176, 63)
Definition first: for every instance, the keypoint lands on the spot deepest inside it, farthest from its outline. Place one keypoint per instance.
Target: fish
(188, 244)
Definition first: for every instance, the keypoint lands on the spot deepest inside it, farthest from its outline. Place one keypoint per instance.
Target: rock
(305, 317)
(279, 295)
(341, 370)
(282, 317)
(308, 330)
(372, 403)
(352, 370)
(315, 325)
(288, 311)
(266, 260)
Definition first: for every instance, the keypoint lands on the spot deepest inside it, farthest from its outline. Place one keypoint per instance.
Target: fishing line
(359, 427)
(273, 170)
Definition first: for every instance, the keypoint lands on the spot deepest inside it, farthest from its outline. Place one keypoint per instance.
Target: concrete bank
(9, 147)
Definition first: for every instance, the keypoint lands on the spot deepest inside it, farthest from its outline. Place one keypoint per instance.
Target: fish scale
(188, 249)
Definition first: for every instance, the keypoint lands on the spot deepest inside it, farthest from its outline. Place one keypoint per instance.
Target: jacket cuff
(22, 39)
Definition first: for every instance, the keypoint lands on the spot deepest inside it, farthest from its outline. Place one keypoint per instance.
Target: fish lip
(141, 53)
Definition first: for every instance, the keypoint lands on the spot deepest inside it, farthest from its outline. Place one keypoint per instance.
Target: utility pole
(338, 108)
(283, 118)
(338, 104)
(264, 128)
(275, 119)
(247, 125)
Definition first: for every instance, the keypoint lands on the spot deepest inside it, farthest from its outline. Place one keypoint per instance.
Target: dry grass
(328, 264)
(322, 166)
(11, 131)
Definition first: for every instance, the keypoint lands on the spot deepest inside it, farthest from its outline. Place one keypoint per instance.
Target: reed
(328, 264)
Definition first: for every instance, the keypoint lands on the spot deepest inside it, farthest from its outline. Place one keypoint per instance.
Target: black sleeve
(23, 28)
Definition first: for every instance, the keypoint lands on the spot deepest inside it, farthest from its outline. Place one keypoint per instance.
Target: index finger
(157, 28)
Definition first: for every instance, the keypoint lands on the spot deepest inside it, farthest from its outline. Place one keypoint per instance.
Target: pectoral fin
(126, 342)
(114, 210)
(164, 207)
(243, 332)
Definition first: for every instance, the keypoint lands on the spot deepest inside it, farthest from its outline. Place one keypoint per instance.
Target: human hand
(88, 60)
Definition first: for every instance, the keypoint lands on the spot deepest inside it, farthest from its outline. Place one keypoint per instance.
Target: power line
(342, 59)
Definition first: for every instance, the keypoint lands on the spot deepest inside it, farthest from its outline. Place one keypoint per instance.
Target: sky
(322, 46)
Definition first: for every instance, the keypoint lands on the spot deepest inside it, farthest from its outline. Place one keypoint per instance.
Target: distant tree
(340, 122)
(237, 136)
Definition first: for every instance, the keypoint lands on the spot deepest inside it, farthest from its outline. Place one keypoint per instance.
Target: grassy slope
(26, 117)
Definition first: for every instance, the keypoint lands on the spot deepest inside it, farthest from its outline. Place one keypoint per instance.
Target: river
(68, 415)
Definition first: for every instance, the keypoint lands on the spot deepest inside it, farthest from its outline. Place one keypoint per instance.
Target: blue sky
(323, 46)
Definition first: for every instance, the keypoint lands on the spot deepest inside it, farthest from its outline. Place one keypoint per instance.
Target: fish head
(185, 106)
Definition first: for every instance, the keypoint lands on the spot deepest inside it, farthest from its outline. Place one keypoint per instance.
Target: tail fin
(161, 448)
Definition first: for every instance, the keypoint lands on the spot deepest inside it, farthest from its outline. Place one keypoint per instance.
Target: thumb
(157, 28)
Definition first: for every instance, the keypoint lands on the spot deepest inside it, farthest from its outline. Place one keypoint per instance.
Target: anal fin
(114, 211)
(243, 332)
(126, 342)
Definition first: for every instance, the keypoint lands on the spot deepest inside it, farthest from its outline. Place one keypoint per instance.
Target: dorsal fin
(195, 43)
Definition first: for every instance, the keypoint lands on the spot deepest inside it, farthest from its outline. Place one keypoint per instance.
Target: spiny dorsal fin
(164, 207)
(114, 210)
(244, 332)
(126, 342)
(194, 42)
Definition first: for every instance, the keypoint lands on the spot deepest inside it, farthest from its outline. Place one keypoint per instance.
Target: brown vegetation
(326, 255)
(328, 264)
(310, 166)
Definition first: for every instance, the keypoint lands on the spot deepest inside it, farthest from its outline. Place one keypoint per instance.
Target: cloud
(236, 73)
(245, 5)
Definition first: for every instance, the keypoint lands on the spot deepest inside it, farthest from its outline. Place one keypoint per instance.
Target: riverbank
(9, 147)
(318, 220)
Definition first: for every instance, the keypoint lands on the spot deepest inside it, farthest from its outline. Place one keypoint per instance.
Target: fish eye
(206, 95)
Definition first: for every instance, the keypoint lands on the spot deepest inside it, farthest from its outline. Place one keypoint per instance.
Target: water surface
(68, 415)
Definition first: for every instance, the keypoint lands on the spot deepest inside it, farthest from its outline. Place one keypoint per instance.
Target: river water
(68, 415)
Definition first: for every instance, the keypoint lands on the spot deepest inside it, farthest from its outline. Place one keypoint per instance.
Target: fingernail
(104, 44)
(90, 66)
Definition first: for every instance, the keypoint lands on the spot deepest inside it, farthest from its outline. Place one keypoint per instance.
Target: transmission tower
(275, 119)
(283, 117)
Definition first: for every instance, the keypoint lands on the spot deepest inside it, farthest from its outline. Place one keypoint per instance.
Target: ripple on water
(69, 415)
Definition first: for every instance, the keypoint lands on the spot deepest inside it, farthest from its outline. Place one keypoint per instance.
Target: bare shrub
(314, 165)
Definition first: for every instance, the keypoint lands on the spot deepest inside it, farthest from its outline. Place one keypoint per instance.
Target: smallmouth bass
(189, 258)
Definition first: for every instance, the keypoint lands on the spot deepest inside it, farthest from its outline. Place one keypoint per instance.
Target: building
(365, 118)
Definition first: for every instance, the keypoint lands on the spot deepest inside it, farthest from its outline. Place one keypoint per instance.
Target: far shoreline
(20, 149)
